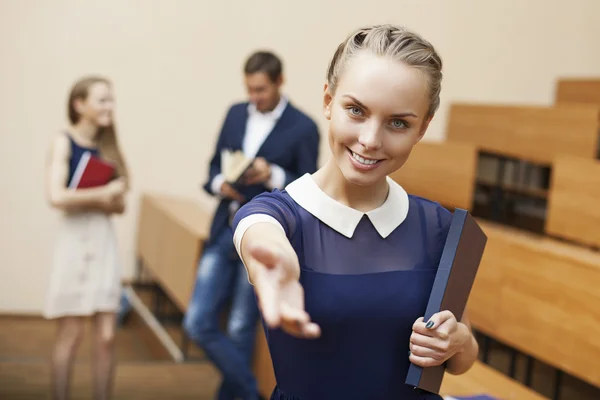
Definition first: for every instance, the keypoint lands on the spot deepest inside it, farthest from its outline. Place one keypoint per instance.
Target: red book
(91, 172)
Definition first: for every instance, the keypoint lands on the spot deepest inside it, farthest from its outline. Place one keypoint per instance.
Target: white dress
(86, 275)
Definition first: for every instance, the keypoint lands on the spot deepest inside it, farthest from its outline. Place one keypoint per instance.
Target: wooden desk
(440, 171)
(540, 296)
(171, 235)
(576, 90)
(482, 379)
(574, 200)
(534, 134)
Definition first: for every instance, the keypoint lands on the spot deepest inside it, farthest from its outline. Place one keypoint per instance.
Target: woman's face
(378, 112)
(98, 106)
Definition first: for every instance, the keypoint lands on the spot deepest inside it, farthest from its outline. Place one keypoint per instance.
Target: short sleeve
(275, 207)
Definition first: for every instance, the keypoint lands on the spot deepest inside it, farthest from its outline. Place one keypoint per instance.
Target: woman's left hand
(433, 342)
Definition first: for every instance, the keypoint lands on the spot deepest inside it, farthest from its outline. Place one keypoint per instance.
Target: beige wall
(176, 67)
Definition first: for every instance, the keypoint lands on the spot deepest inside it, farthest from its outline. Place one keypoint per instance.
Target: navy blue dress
(77, 151)
(366, 278)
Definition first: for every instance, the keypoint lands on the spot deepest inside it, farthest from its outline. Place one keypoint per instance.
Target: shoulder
(237, 108)
(303, 120)
(435, 214)
(280, 199)
(61, 146)
(277, 204)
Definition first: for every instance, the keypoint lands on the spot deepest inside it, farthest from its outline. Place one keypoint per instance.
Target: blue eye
(399, 124)
(356, 111)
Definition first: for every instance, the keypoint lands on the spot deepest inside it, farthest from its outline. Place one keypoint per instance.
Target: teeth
(363, 160)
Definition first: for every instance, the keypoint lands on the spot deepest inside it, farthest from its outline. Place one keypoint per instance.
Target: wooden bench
(540, 297)
(577, 90)
(440, 171)
(530, 133)
(574, 200)
(483, 379)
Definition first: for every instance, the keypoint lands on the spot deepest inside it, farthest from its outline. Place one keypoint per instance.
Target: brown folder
(452, 285)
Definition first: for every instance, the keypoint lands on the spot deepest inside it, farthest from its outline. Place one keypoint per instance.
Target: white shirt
(258, 128)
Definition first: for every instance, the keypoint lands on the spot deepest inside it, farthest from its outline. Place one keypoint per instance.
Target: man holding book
(264, 144)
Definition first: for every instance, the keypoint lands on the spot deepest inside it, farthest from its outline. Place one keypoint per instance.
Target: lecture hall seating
(530, 133)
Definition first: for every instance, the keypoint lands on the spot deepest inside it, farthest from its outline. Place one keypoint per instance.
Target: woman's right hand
(114, 189)
(280, 295)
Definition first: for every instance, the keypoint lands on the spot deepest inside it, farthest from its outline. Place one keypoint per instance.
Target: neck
(362, 198)
(274, 105)
(85, 132)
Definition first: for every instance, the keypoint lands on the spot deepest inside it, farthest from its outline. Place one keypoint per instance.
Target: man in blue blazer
(284, 143)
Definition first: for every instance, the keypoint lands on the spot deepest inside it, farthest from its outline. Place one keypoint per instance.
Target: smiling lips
(362, 163)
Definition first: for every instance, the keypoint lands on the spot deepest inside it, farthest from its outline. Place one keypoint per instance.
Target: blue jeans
(222, 275)
(124, 308)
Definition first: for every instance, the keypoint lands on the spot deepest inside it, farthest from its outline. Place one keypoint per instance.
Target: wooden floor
(134, 380)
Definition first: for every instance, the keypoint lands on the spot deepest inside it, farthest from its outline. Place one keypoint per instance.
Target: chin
(104, 122)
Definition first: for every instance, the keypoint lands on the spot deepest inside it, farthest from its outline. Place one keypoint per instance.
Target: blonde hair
(107, 136)
(397, 43)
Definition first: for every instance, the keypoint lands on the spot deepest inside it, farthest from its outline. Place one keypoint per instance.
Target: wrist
(466, 341)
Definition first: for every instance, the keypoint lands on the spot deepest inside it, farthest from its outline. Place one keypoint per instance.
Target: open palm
(280, 295)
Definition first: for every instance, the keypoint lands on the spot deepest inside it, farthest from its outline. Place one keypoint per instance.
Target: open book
(234, 164)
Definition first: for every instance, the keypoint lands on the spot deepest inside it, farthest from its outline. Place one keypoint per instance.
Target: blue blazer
(293, 144)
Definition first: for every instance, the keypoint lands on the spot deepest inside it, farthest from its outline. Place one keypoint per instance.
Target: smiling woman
(345, 258)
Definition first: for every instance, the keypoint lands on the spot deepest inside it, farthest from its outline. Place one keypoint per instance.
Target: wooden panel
(482, 379)
(535, 134)
(170, 240)
(578, 91)
(574, 200)
(540, 296)
(443, 172)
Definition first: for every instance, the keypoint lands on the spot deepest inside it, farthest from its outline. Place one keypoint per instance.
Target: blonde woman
(343, 260)
(85, 280)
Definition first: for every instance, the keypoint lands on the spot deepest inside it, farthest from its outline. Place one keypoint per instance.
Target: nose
(370, 138)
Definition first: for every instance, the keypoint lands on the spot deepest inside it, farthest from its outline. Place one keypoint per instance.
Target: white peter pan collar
(344, 219)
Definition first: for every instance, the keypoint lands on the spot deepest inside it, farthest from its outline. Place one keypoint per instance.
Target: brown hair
(397, 43)
(264, 61)
(106, 136)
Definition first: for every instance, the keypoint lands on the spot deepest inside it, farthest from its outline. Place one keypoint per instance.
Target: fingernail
(429, 324)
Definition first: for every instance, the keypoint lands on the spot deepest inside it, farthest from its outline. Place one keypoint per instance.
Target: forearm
(80, 198)
(462, 361)
(265, 235)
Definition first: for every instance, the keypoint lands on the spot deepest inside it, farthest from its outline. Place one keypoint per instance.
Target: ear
(79, 105)
(280, 80)
(327, 100)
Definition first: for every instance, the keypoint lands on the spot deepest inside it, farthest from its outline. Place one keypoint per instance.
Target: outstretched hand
(280, 295)
(433, 342)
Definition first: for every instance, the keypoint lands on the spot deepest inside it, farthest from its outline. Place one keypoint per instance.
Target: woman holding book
(343, 260)
(85, 280)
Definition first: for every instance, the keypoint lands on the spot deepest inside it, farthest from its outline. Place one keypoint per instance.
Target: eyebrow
(401, 115)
